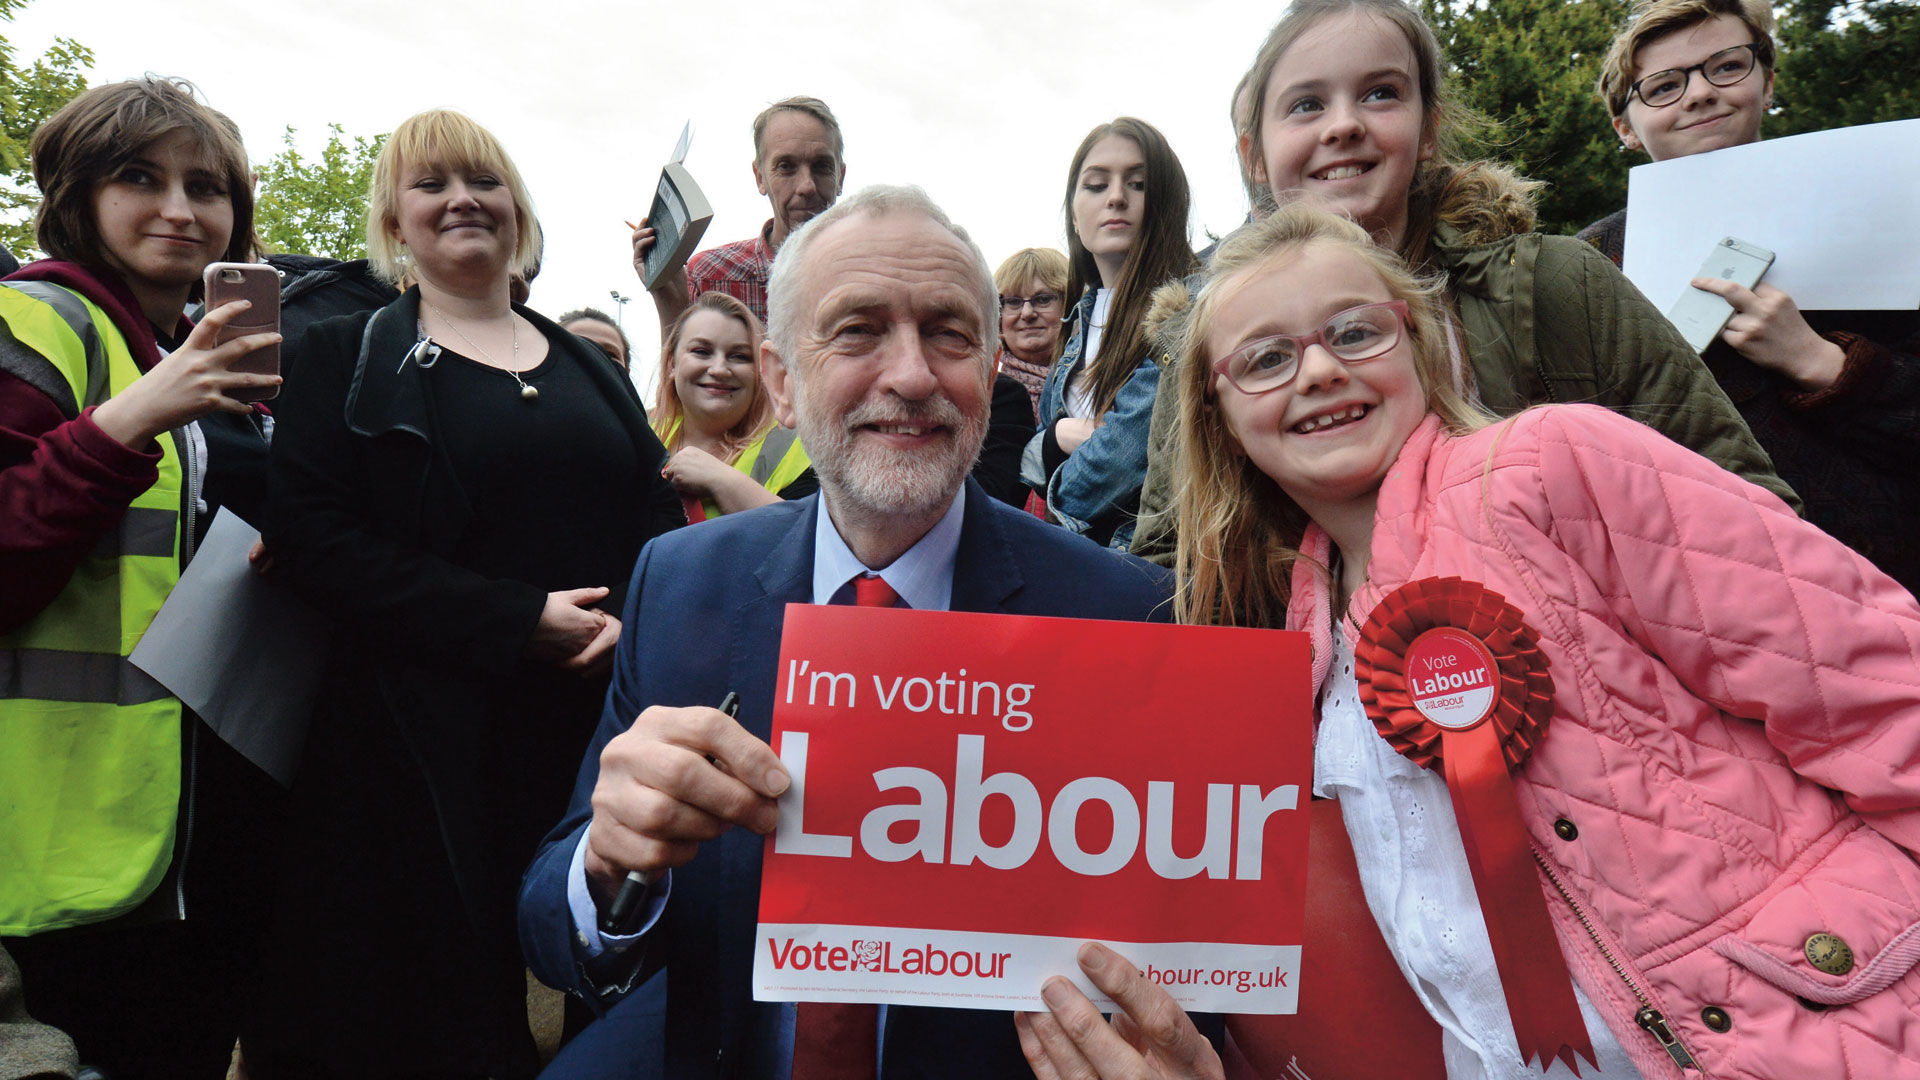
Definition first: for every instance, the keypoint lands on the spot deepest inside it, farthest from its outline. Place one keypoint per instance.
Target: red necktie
(872, 590)
(835, 1040)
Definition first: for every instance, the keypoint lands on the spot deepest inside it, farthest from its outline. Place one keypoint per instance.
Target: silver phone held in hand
(1701, 315)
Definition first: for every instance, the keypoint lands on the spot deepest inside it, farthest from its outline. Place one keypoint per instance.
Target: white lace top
(1419, 887)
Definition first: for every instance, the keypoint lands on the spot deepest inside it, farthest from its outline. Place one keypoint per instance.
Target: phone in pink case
(259, 284)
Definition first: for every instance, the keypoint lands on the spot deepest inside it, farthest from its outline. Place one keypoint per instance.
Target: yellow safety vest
(773, 460)
(89, 744)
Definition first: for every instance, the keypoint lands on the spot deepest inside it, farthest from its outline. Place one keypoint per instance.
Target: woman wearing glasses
(1032, 283)
(1833, 397)
(1726, 870)
(1126, 209)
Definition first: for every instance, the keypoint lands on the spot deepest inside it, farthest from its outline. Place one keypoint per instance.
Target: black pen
(627, 903)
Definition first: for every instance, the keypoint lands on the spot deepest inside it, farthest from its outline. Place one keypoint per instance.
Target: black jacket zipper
(191, 728)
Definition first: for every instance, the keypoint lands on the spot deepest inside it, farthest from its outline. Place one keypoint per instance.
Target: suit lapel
(986, 569)
(389, 391)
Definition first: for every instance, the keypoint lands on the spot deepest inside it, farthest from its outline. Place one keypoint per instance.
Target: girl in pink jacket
(1721, 811)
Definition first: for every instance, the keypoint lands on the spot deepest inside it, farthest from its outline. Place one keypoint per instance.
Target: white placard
(1840, 210)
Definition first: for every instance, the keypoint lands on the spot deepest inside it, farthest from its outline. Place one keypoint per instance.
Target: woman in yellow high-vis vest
(110, 401)
(728, 454)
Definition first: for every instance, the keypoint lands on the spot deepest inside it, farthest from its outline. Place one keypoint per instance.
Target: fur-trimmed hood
(1166, 320)
(1475, 204)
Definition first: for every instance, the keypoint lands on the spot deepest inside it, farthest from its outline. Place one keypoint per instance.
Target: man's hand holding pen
(677, 777)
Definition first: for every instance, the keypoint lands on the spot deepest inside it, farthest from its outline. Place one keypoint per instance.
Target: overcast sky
(981, 102)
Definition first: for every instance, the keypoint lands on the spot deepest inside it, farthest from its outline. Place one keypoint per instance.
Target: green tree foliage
(319, 206)
(28, 95)
(1846, 64)
(1531, 65)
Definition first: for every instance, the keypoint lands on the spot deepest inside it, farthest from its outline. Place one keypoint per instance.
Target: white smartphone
(1701, 315)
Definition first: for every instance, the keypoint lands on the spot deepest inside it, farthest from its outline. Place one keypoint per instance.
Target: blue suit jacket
(703, 616)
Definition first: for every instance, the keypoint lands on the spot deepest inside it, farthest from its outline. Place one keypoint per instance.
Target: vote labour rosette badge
(1453, 677)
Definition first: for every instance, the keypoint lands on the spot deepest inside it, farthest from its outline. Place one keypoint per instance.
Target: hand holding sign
(673, 779)
(973, 797)
(1150, 1035)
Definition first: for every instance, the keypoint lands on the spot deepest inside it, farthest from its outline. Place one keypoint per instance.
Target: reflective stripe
(73, 311)
(782, 458)
(57, 675)
(144, 530)
(90, 765)
(24, 362)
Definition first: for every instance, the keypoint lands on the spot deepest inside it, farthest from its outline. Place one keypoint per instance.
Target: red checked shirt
(738, 269)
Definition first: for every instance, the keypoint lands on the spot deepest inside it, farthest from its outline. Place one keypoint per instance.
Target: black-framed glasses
(1042, 302)
(1356, 334)
(1724, 68)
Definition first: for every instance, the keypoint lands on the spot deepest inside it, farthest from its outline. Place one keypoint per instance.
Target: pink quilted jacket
(1734, 762)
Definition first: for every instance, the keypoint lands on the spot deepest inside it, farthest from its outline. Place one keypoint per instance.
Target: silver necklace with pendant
(527, 393)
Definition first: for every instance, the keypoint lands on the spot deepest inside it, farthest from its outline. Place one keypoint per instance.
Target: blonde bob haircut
(1655, 19)
(451, 140)
(1239, 534)
(669, 414)
(1044, 267)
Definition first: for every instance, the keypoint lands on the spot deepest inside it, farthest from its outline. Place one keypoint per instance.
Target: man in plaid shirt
(798, 166)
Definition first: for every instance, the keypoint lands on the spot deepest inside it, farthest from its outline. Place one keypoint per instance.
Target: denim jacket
(1096, 491)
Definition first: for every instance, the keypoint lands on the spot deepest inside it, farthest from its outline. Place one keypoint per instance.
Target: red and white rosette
(1453, 677)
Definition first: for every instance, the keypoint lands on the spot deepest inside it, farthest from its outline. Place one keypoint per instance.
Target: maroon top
(64, 484)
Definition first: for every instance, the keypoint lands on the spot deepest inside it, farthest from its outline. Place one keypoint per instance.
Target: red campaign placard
(975, 795)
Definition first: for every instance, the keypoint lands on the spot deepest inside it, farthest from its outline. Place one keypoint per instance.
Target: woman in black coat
(464, 487)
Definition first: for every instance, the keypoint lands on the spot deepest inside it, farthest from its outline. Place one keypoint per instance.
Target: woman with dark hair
(717, 421)
(465, 487)
(1126, 210)
(599, 328)
(1833, 396)
(120, 434)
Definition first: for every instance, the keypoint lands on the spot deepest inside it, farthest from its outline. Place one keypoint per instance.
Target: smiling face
(797, 171)
(1031, 330)
(1110, 203)
(1328, 437)
(713, 371)
(889, 382)
(163, 217)
(1343, 122)
(1707, 117)
(456, 222)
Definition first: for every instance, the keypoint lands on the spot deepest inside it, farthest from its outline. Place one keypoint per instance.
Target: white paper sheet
(1840, 209)
(243, 653)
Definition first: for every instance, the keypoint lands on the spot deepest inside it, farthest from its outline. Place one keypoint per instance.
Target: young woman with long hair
(716, 420)
(1126, 209)
(1351, 109)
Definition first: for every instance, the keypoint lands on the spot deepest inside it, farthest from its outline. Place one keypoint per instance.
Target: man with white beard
(882, 332)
